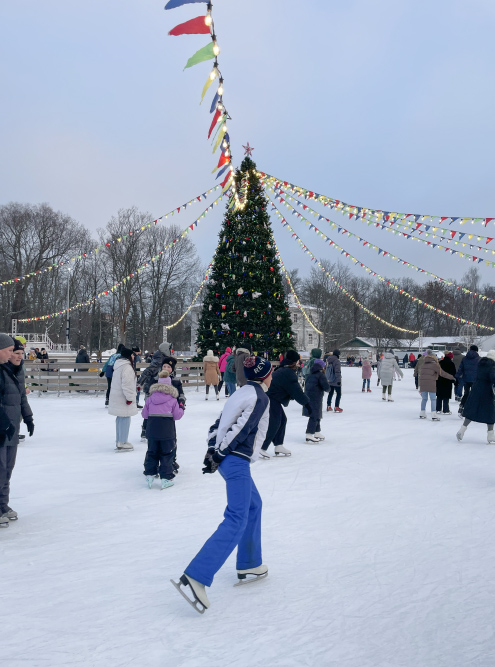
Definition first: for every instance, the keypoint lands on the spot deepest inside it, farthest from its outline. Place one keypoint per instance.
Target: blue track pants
(241, 526)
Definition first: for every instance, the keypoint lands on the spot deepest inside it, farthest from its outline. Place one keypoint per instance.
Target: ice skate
(490, 438)
(390, 400)
(206, 398)
(338, 410)
(363, 390)
(312, 439)
(280, 450)
(200, 601)
(264, 455)
(460, 433)
(435, 417)
(106, 403)
(218, 397)
(140, 407)
(150, 479)
(251, 575)
(384, 398)
(12, 514)
(166, 483)
(4, 522)
(124, 447)
(369, 391)
(319, 435)
(446, 413)
(22, 437)
(422, 414)
(329, 408)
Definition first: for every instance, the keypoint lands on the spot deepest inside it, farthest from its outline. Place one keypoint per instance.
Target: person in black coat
(284, 388)
(467, 373)
(82, 358)
(480, 405)
(444, 386)
(315, 388)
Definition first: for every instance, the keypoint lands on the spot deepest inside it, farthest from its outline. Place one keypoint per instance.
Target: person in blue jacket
(467, 372)
(234, 442)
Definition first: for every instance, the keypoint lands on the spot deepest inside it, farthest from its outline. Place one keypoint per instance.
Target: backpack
(306, 369)
(330, 373)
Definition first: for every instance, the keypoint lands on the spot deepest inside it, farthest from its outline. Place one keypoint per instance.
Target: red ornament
(271, 268)
(250, 335)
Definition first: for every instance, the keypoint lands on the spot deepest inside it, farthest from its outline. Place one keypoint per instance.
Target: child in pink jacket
(161, 410)
(366, 374)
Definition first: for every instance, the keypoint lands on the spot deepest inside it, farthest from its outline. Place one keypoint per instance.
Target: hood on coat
(242, 350)
(210, 357)
(317, 368)
(164, 389)
(121, 361)
(490, 355)
(389, 355)
(430, 360)
(472, 355)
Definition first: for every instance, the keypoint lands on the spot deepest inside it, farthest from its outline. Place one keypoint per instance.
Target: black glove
(209, 463)
(102, 374)
(30, 426)
(309, 409)
(338, 384)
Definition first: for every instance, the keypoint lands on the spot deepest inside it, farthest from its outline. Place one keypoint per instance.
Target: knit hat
(316, 353)
(336, 353)
(171, 362)
(292, 356)
(163, 377)
(450, 355)
(5, 341)
(164, 348)
(18, 345)
(430, 353)
(474, 348)
(319, 363)
(126, 353)
(256, 368)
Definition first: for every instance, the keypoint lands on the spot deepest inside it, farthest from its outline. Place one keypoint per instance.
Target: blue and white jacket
(241, 428)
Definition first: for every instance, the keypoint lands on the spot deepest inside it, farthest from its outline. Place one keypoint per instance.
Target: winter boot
(435, 417)
(312, 439)
(319, 435)
(12, 514)
(490, 437)
(150, 479)
(461, 431)
(422, 414)
(281, 451)
(124, 447)
(338, 410)
(166, 483)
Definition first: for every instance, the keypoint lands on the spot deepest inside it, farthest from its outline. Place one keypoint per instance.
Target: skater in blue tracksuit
(234, 442)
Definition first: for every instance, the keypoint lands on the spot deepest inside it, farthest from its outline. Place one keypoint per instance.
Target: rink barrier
(66, 377)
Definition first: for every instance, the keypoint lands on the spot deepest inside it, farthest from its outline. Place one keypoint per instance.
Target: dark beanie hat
(126, 353)
(5, 341)
(336, 353)
(170, 361)
(18, 345)
(256, 368)
(474, 348)
(292, 356)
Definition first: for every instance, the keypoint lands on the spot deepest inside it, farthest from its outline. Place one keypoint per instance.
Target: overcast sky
(386, 104)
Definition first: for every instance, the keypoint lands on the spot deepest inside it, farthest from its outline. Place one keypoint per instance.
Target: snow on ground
(380, 543)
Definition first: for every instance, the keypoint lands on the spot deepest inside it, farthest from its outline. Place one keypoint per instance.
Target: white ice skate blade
(283, 454)
(123, 450)
(195, 604)
(250, 580)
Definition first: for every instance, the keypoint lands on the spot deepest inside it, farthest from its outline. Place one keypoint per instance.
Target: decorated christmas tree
(244, 303)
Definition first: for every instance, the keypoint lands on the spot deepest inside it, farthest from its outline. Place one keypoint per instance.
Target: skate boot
(390, 400)
(460, 433)
(384, 398)
(124, 447)
(422, 414)
(329, 408)
(338, 410)
(435, 417)
(490, 438)
(206, 398)
(4, 522)
(264, 455)
(218, 397)
(166, 483)
(106, 403)
(446, 413)
(12, 514)
(22, 437)
(251, 575)
(319, 435)
(200, 601)
(281, 451)
(312, 439)
(363, 390)
(150, 479)
(369, 391)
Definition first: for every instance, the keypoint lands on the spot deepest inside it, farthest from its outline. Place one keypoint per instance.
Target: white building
(305, 337)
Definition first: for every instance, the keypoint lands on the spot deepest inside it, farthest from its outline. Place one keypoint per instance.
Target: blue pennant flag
(214, 103)
(223, 170)
(416, 218)
(453, 220)
(461, 235)
(172, 4)
(320, 218)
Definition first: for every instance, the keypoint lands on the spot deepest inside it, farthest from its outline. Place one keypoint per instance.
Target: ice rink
(380, 543)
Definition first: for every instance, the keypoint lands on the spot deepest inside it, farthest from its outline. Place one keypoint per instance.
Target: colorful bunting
(206, 53)
(195, 26)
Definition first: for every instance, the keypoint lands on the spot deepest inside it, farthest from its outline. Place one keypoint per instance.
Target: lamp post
(67, 322)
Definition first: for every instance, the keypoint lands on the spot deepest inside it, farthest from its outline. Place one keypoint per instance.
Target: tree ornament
(240, 291)
(245, 314)
(256, 295)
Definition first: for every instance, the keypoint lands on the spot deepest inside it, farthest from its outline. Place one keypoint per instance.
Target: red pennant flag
(226, 179)
(443, 219)
(195, 26)
(453, 233)
(214, 122)
(223, 160)
(487, 220)
(488, 240)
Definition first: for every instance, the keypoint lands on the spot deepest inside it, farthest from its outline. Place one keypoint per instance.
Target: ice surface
(380, 543)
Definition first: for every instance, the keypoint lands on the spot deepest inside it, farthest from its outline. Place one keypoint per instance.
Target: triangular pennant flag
(214, 103)
(222, 171)
(206, 53)
(214, 122)
(195, 26)
(208, 83)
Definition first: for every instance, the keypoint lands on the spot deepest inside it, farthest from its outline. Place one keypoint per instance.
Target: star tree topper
(248, 150)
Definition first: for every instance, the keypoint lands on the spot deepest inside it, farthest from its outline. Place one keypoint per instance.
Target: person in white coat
(122, 401)
(386, 371)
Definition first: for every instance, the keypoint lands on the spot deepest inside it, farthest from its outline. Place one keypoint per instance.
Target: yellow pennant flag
(208, 83)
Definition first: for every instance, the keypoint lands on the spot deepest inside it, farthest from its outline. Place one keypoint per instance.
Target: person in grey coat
(16, 407)
(333, 374)
(386, 374)
(315, 387)
(241, 354)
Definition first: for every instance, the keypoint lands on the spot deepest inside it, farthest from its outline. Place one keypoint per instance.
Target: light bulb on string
(208, 19)
(216, 49)
(220, 90)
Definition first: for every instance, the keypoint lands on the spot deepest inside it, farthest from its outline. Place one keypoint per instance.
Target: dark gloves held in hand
(30, 426)
(338, 384)
(210, 465)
